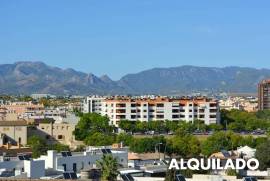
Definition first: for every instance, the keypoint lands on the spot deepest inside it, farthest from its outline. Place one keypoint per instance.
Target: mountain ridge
(26, 77)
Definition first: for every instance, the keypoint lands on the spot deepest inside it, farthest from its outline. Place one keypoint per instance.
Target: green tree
(127, 125)
(108, 165)
(58, 147)
(99, 139)
(215, 127)
(38, 146)
(91, 123)
(171, 175)
(171, 125)
(124, 138)
(184, 144)
(262, 154)
(187, 127)
(220, 140)
(144, 145)
(157, 126)
(231, 172)
(141, 126)
(263, 114)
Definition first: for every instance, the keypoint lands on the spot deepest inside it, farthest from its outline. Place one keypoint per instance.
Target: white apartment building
(93, 104)
(151, 109)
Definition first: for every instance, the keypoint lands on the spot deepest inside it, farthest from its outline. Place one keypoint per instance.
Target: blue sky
(116, 37)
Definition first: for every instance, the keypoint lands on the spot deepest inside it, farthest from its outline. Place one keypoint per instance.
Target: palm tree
(108, 165)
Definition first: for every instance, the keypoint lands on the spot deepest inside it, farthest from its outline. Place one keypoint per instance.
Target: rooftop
(14, 123)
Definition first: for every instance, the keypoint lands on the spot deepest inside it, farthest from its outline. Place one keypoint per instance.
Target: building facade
(151, 109)
(13, 132)
(78, 161)
(264, 94)
(54, 132)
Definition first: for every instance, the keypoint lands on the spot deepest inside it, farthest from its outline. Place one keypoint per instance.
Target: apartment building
(264, 94)
(151, 109)
(93, 104)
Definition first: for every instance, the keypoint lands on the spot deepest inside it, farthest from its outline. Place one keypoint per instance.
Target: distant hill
(37, 77)
(192, 78)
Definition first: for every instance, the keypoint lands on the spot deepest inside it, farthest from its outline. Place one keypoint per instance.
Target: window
(160, 105)
(213, 105)
(18, 128)
(160, 116)
(175, 116)
(6, 129)
(133, 116)
(60, 137)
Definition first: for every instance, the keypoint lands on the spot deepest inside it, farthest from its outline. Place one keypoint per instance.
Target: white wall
(34, 169)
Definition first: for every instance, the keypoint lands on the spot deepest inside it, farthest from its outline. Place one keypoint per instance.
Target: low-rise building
(249, 104)
(77, 161)
(13, 132)
(54, 132)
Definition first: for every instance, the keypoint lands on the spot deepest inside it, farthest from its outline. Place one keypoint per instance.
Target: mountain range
(37, 77)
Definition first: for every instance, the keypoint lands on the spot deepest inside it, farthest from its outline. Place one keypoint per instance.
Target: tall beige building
(264, 94)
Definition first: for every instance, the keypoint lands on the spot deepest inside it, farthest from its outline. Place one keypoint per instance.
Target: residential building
(151, 109)
(249, 104)
(93, 104)
(23, 107)
(13, 132)
(264, 94)
(77, 161)
(54, 132)
(53, 165)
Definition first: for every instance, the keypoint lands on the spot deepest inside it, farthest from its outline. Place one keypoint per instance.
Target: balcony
(120, 105)
(120, 111)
